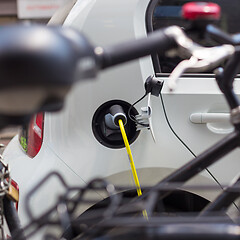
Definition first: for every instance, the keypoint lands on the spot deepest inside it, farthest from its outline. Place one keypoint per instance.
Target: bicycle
(93, 59)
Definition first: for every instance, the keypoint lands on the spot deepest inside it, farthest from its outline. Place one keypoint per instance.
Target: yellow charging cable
(133, 168)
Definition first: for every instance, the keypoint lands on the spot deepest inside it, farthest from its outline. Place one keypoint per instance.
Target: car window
(163, 13)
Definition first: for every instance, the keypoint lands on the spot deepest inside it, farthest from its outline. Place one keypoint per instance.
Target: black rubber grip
(156, 42)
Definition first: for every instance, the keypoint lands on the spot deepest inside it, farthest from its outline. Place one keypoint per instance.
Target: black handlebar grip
(156, 42)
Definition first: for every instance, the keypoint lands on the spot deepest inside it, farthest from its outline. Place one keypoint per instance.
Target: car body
(69, 145)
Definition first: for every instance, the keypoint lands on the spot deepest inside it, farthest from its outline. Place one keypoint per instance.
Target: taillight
(31, 137)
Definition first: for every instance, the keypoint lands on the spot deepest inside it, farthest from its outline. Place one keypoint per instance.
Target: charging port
(105, 123)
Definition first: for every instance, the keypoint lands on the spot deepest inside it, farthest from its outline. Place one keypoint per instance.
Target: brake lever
(211, 57)
(202, 59)
(179, 70)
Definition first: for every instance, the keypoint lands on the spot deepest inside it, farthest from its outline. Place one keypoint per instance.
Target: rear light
(31, 137)
(35, 134)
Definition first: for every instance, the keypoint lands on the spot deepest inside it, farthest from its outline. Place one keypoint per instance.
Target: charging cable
(133, 168)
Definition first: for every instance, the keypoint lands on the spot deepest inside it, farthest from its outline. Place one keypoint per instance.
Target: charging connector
(116, 113)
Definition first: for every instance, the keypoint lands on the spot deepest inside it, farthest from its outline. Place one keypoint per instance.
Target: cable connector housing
(153, 85)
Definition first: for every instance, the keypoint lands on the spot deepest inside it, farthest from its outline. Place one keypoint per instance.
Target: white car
(76, 142)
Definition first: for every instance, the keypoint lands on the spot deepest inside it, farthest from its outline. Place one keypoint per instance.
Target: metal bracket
(144, 120)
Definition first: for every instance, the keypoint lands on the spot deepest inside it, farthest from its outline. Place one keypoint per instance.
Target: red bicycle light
(35, 135)
(201, 11)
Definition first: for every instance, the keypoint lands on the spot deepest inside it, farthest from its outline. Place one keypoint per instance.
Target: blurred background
(13, 11)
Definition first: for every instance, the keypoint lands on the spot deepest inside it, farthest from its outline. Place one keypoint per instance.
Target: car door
(197, 110)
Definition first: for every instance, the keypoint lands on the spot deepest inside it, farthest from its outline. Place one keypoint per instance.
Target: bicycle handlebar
(156, 42)
(39, 64)
(38, 55)
(48, 60)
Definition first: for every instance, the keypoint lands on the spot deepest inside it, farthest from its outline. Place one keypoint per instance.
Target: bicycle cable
(188, 148)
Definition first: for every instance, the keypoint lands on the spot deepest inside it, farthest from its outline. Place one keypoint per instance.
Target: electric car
(79, 144)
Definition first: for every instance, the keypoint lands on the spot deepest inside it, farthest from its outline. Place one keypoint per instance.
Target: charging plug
(115, 113)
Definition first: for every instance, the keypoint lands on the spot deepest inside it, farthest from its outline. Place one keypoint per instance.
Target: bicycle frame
(225, 80)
